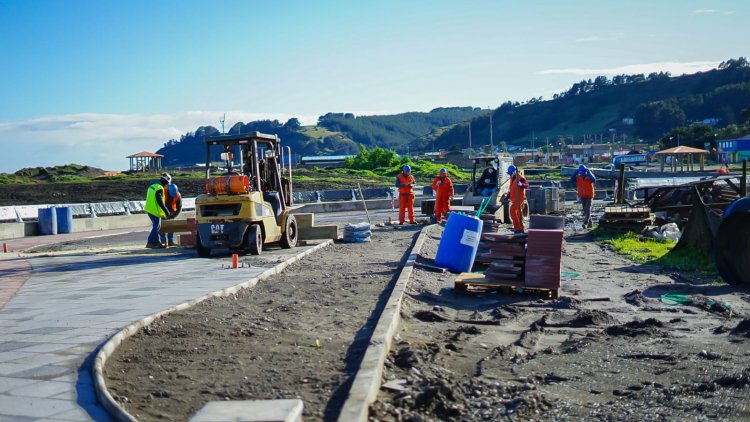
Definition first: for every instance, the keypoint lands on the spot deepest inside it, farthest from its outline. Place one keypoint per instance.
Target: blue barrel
(458, 246)
(47, 221)
(64, 219)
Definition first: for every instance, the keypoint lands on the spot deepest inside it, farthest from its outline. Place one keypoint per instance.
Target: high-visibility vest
(173, 197)
(151, 206)
(585, 187)
(516, 190)
(445, 190)
(402, 179)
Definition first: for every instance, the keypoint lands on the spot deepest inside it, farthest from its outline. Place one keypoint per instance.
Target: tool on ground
(364, 203)
(429, 267)
(248, 205)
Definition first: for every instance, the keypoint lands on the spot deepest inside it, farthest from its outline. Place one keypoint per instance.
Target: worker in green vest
(156, 210)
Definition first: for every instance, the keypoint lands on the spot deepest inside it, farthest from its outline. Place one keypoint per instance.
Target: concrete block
(305, 220)
(318, 232)
(250, 411)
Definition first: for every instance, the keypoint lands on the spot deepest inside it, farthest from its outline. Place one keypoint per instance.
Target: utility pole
(492, 145)
(223, 119)
(469, 138)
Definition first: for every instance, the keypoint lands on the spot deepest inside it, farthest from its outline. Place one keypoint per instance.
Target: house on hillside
(733, 150)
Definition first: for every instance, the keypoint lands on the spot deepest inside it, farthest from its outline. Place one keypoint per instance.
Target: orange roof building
(684, 155)
(145, 162)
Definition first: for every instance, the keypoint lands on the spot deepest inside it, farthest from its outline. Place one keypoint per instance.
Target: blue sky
(93, 81)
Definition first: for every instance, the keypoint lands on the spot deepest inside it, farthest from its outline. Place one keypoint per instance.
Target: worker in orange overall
(585, 180)
(517, 196)
(443, 187)
(405, 183)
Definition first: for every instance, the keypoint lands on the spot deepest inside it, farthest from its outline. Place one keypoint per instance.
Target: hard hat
(166, 177)
(581, 169)
(407, 168)
(511, 169)
(443, 171)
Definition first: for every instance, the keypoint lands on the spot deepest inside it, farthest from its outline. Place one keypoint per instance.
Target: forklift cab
(489, 179)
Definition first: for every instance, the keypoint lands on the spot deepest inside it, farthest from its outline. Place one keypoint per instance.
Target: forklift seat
(273, 199)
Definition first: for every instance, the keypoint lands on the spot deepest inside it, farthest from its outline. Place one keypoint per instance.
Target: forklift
(248, 204)
(490, 173)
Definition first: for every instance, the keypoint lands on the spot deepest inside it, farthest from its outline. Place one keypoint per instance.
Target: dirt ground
(608, 349)
(298, 335)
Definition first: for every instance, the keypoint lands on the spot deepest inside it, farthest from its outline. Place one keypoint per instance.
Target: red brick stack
(506, 256)
(544, 258)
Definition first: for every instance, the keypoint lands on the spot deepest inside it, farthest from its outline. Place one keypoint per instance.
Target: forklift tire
(203, 251)
(254, 240)
(289, 237)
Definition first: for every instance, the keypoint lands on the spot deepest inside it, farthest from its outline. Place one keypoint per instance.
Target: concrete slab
(250, 411)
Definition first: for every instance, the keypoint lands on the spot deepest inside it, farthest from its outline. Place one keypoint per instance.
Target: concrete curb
(367, 381)
(100, 387)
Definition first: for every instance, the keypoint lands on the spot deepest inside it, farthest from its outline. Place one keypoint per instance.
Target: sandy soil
(607, 349)
(298, 335)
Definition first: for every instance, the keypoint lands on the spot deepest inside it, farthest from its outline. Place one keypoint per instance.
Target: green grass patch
(644, 250)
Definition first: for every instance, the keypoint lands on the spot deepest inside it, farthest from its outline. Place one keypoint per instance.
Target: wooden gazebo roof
(682, 150)
(145, 154)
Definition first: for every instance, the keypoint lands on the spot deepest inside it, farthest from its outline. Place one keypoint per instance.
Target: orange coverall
(444, 190)
(517, 196)
(405, 183)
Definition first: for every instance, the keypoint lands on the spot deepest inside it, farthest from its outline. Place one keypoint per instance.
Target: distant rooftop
(145, 154)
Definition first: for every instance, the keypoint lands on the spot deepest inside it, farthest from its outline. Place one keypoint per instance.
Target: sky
(91, 82)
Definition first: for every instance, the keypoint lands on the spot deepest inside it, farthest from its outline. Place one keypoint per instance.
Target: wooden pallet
(470, 283)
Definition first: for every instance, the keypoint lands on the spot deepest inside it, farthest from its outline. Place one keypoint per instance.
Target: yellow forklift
(248, 204)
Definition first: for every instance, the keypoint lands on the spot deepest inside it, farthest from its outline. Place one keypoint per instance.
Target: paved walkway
(72, 302)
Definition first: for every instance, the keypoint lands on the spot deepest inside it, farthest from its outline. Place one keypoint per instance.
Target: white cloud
(675, 68)
(601, 38)
(712, 12)
(104, 140)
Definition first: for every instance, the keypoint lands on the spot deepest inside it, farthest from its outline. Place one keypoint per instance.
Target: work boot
(155, 245)
(171, 243)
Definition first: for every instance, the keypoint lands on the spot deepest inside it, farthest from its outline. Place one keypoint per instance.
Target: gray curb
(106, 400)
(367, 381)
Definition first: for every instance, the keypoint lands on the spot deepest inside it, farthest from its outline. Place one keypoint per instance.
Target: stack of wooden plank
(624, 218)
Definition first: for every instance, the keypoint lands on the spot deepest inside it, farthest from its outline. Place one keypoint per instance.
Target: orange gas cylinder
(227, 185)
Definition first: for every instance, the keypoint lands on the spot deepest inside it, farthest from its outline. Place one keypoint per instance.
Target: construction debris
(626, 218)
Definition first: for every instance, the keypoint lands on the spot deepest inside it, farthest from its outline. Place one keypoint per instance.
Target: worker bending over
(585, 181)
(405, 183)
(443, 187)
(173, 202)
(156, 209)
(517, 196)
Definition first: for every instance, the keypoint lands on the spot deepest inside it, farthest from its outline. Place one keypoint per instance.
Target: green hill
(623, 107)
(656, 102)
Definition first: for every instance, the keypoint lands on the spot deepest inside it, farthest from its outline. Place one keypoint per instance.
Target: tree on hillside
(656, 118)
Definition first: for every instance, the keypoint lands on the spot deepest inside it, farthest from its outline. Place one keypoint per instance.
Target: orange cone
(235, 260)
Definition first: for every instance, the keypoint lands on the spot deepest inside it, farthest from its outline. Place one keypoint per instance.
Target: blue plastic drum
(64, 220)
(459, 244)
(47, 221)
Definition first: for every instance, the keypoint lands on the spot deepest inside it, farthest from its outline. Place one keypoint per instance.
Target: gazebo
(145, 161)
(681, 153)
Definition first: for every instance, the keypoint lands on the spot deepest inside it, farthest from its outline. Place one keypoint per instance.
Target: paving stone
(250, 411)
(41, 389)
